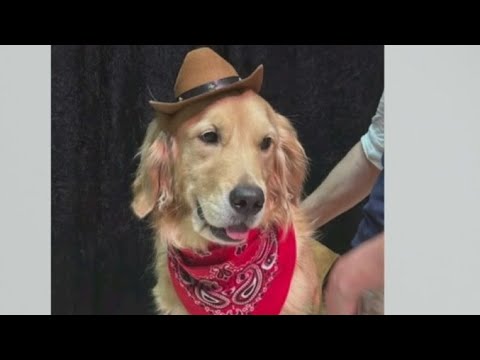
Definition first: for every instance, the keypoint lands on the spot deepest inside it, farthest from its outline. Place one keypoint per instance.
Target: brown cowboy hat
(204, 73)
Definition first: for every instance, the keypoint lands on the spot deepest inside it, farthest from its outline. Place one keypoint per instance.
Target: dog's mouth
(233, 233)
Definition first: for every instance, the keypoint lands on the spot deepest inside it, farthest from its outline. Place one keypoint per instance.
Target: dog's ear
(290, 168)
(153, 181)
(295, 159)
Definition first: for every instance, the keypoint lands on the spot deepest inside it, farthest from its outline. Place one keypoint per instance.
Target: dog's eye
(266, 143)
(210, 137)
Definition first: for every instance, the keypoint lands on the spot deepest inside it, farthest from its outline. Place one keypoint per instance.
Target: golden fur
(177, 171)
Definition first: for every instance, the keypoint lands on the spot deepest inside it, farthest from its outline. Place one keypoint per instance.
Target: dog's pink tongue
(235, 233)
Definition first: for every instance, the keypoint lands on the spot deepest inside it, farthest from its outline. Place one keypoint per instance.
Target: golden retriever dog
(214, 171)
(220, 177)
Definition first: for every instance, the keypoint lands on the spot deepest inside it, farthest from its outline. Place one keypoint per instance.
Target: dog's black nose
(247, 200)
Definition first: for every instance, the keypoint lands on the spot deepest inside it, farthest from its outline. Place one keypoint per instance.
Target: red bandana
(250, 279)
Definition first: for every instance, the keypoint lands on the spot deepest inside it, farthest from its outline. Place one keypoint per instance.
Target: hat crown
(201, 66)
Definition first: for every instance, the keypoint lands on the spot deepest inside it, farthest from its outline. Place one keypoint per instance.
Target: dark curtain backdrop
(100, 252)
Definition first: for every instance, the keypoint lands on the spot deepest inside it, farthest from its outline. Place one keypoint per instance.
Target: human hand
(359, 270)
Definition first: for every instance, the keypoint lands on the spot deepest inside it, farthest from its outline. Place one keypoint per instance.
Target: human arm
(347, 184)
(353, 177)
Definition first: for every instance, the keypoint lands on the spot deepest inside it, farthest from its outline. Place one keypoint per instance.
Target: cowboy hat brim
(253, 82)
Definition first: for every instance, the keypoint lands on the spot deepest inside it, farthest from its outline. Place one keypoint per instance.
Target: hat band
(208, 87)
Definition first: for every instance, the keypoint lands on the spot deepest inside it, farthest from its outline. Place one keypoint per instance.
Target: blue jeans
(373, 213)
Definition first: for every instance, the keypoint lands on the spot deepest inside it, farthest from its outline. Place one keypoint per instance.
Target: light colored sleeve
(373, 140)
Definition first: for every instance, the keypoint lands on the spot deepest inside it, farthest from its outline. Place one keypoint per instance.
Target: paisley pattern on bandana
(252, 278)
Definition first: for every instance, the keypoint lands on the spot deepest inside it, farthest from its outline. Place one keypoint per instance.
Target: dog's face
(226, 168)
